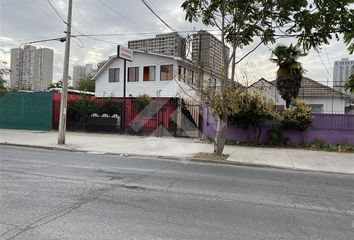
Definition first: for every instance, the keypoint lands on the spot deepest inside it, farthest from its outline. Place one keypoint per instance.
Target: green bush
(109, 107)
(274, 134)
(318, 144)
(297, 117)
(253, 109)
(144, 105)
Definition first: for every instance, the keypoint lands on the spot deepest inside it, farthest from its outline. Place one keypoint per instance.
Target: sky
(22, 21)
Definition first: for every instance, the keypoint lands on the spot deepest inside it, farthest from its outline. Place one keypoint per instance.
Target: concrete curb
(173, 158)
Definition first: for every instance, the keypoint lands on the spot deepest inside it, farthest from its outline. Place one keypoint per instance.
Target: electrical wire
(324, 64)
(160, 18)
(121, 15)
(56, 11)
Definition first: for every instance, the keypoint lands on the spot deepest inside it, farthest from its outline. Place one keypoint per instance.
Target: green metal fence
(26, 110)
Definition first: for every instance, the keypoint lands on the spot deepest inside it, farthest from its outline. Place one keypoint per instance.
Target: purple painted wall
(332, 128)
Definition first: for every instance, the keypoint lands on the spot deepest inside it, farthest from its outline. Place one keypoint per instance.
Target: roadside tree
(310, 23)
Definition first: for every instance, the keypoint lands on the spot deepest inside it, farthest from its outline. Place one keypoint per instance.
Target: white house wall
(168, 88)
(330, 105)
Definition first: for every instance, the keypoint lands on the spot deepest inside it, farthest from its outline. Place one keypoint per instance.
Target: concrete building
(81, 72)
(321, 98)
(170, 44)
(341, 71)
(31, 68)
(207, 51)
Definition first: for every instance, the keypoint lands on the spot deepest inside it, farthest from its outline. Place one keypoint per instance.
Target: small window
(113, 75)
(181, 73)
(212, 82)
(166, 72)
(190, 76)
(316, 108)
(149, 73)
(133, 74)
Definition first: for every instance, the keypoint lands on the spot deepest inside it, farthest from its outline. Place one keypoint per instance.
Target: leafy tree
(86, 84)
(58, 84)
(290, 71)
(144, 105)
(253, 109)
(310, 23)
(349, 85)
(3, 89)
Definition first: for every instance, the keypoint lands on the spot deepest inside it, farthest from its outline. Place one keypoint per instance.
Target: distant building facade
(170, 44)
(31, 68)
(207, 51)
(81, 72)
(341, 71)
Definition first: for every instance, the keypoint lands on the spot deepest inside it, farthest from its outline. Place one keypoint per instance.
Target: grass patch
(211, 156)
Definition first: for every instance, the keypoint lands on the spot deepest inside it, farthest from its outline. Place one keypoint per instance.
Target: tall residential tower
(341, 71)
(207, 51)
(31, 68)
(171, 44)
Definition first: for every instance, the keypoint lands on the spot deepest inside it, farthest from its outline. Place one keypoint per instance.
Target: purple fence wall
(331, 128)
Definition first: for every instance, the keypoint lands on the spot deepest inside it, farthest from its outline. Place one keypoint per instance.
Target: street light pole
(64, 91)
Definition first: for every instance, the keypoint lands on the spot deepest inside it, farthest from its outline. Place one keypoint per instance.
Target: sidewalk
(183, 148)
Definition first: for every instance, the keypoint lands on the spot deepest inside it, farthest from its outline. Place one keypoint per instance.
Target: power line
(139, 33)
(121, 15)
(56, 11)
(330, 63)
(153, 11)
(324, 64)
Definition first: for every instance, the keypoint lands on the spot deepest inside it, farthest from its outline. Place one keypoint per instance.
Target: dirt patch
(211, 156)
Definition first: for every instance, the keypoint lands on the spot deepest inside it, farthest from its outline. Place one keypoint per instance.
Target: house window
(181, 73)
(133, 74)
(316, 108)
(113, 75)
(212, 82)
(166, 72)
(149, 73)
(190, 76)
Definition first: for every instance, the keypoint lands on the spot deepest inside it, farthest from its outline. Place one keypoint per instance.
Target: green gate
(26, 110)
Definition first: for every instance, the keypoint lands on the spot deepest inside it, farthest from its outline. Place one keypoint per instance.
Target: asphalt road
(62, 195)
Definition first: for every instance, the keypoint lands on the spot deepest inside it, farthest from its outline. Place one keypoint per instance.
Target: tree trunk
(288, 101)
(220, 137)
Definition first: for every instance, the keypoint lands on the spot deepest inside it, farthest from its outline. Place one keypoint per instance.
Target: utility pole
(64, 90)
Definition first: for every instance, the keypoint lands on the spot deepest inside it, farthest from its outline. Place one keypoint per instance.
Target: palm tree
(349, 85)
(290, 71)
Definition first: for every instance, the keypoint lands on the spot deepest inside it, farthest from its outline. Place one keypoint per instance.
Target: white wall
(269, 91)
(168, 88)
(335, 105)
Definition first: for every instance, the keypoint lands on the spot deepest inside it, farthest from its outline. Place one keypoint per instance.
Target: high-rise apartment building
(81, 72)
(31, 68)
(341, 71)
(207, 51)
(171, 44)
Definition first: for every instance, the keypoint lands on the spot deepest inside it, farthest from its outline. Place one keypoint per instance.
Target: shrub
(274, 134)
(298, 116)
(253, 109)
(110, 107)
(318, 144)
(144, 105)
